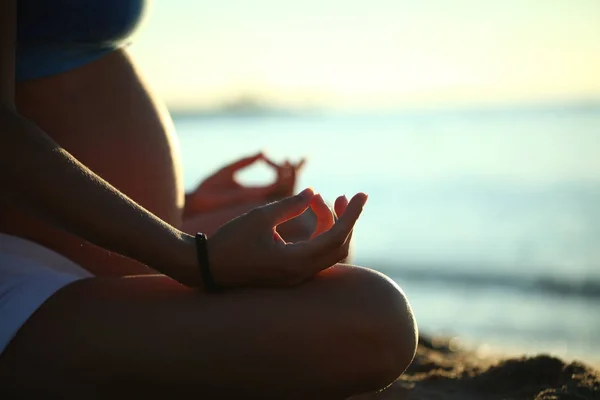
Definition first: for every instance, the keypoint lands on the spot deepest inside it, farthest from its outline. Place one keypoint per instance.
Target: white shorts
(29, 275)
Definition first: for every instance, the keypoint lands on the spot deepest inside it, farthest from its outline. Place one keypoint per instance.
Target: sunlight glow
(371, 54)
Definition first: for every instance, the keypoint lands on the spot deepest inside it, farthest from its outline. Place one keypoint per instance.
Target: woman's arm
(49, 178)
(244, 252)
(40, 171)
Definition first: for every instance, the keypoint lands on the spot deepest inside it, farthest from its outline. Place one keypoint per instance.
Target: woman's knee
(384, 327)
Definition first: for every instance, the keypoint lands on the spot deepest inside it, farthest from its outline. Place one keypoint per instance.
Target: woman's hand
(325, 217)
(222, 190)
(285, 183)
(248, 251)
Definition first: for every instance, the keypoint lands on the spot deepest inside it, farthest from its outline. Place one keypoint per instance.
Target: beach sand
(440, 373)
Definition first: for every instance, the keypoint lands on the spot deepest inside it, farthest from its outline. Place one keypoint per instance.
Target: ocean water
(488, 219)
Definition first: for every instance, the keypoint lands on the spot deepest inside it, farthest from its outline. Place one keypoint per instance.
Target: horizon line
(248, 105)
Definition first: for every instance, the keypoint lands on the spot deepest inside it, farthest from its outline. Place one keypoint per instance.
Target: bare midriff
(106, 117)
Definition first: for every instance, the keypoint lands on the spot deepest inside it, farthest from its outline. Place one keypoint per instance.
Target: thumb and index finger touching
(346, 213)
(336, 237)
(296, 167)
(243, 162)
(325, 249)
(283, 210)
(247, 161)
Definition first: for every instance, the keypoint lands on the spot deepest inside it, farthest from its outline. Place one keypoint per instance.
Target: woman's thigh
(348, 330)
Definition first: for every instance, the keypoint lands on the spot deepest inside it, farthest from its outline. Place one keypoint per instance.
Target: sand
(440, 373)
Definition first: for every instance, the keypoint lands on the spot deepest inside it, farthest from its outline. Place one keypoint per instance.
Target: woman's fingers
(271, 163)
(299, 165)
(339, 207)
(323, 213)
(283, 210)
(286, 169)
(334, 239)
(328, 259)
(285, 181)
(242, 163)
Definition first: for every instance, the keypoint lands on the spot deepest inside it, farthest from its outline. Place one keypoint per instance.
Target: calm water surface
(489, 220)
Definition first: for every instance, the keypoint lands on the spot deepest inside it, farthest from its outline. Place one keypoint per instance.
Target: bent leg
(349, 330)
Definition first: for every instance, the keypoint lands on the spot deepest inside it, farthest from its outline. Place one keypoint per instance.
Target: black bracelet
(203, 264)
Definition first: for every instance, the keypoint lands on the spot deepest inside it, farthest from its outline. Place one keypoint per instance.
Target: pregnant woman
(76, 82)
(91, 192)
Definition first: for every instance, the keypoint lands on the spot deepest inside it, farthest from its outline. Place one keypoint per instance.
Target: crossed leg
(349, 330)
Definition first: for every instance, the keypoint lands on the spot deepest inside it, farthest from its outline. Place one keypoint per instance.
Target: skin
(342, 333)
(292, 322)
(88, 112)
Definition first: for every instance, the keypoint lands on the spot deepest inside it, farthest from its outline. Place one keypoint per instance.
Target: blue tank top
(54, 36)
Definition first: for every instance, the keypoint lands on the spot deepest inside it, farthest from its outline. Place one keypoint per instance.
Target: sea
(488, 218)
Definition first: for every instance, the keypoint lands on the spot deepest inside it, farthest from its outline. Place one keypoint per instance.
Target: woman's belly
(103, 114)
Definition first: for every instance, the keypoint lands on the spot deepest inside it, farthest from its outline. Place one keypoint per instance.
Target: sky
(370, 54)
